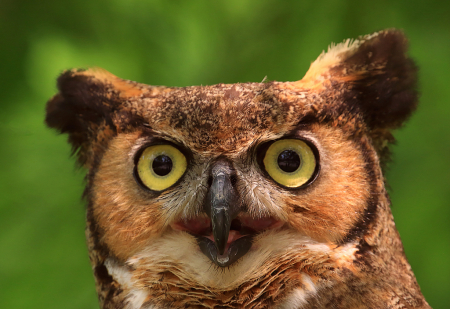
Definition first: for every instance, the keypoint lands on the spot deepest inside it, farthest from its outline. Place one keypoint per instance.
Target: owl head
(222, 186)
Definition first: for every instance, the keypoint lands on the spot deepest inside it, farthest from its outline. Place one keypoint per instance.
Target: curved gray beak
(222, 204)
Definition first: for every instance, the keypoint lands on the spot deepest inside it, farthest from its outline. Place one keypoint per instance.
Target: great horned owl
(253, 195)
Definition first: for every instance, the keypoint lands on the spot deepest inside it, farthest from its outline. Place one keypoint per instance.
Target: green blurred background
(43, 256)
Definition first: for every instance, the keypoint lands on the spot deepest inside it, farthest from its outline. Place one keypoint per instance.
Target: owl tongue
(232, 236)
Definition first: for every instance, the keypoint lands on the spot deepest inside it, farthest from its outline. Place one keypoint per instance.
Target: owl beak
(229, 237)
(222, 204)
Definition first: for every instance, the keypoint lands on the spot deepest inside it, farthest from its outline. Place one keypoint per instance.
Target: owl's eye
(290, 162)
(160, 166)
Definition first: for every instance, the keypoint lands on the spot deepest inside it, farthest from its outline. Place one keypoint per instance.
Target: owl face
(222, 188)
(225, 188)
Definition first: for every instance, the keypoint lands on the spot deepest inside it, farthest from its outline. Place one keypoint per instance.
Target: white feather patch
(135, 297)
(299, 297)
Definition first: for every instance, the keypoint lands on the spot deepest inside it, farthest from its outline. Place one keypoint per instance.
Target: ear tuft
(84, 105)
(372, 75)
(386, 83)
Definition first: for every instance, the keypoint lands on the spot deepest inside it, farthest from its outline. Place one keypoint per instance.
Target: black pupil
(162, 165)
(289, 161)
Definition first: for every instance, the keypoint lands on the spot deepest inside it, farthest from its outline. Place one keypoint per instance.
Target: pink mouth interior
(241, 226)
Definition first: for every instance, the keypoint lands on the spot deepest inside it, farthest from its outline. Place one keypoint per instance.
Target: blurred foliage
(43, 260)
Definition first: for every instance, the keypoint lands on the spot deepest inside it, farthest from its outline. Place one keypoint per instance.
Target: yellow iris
(160, 166)
(290, 162)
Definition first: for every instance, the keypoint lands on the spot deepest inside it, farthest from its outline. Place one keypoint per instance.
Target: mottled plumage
(228, 233)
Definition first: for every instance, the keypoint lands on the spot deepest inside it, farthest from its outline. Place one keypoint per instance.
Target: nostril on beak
(233, 180)
(210, 181)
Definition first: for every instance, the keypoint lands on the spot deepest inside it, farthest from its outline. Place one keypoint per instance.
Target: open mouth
(242, 231)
